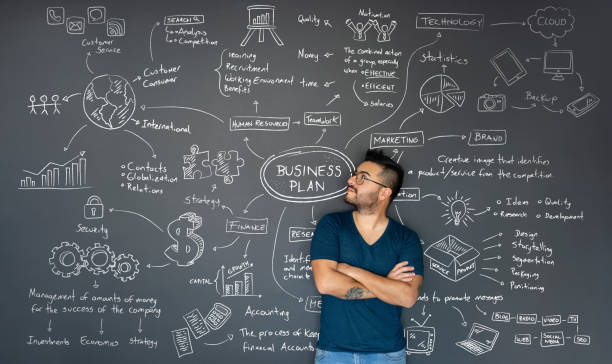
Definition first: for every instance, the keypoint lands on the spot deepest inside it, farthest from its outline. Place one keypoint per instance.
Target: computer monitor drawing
(559, 63)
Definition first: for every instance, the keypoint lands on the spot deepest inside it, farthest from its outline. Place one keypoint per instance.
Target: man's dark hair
(392, 173)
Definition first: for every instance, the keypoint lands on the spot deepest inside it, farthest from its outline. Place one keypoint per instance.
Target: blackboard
(165, 165)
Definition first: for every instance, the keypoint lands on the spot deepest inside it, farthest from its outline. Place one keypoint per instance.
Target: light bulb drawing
(457, 210)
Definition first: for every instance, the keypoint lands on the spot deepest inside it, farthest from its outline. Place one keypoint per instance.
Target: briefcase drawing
(94, 208)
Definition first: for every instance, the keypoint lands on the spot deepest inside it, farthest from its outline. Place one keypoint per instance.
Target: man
(360, 263)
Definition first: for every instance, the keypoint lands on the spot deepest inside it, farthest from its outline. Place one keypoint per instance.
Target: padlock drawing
(93, 209)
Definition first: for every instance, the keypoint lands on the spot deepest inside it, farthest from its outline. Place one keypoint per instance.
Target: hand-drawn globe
(109, 101)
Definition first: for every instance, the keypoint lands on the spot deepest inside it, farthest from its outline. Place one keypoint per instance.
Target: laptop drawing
(480, 340)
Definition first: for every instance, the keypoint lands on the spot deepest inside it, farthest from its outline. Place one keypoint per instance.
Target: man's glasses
(361, 177)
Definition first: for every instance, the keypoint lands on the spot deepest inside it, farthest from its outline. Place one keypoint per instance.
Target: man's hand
(400, 287)
(401, 272)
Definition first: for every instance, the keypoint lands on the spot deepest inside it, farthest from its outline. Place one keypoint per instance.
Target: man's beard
(361, 204)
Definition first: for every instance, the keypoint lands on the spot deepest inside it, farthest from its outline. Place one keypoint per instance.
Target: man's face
(364, 195)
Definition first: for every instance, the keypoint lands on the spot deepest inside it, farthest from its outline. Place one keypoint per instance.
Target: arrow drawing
(321, 137)
(228, 245)
(246, 141)
(151, 41)
(357, 96)
(143, 139)
(246, 248)
(463, 323)
(230, 337)
(144, 107)
(246, 208)
(87, 62)
(336, 97)
(521, 23)
(111, 210)
(66, 98)
(421, 110)
(75, 134)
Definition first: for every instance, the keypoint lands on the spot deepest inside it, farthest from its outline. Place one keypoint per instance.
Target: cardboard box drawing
(452, 258)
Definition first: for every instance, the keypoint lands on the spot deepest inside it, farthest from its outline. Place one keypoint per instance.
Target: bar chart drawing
(53, 176)
(261, 18)
(243, 286)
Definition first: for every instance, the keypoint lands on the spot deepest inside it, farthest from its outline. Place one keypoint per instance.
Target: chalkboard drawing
(261, 18)
(227, 165)
(188, 246)
(182, 341)
(53, 176)
(491, 103)
(582, 339)
(218, 316)
(66, 260)
(384, 31)
(452, 258)
(75, 25)
(115, 27)
(551, 22)
(522, 339)
(583, 104)
(93, 208)
(199, 326)
(552, 338)
(480, 340)
(34, 105)
(507, 64)
(359, 30)
(55, 99)
(109, 101)
(96, 15)
(56, 15)
(558, 63)
(440, 93)
(420, 339)
(99, 259)
(243, 287)
(290, 182)
(196, 323)
(197, 165)
(457, 210)
(125, 267)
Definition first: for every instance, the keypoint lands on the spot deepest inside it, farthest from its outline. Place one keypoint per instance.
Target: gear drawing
(99, 259)
(126, 267)
(66, 260)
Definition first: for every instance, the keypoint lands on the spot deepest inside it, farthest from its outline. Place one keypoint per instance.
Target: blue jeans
(348, 357)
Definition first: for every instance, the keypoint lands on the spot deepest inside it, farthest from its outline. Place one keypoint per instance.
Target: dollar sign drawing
(188, 246)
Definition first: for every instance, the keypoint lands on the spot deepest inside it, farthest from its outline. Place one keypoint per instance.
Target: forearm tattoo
(354, 293)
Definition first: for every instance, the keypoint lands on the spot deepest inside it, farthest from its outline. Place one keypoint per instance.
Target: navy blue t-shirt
(363, 325)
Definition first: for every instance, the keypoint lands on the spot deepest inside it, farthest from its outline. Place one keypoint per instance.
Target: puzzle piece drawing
(196, 164)
(227, 164)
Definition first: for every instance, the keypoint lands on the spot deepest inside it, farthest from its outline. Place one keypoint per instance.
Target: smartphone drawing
(508, 66)
(583, 104)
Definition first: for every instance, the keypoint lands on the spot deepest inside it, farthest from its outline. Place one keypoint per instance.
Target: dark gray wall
(536, 196)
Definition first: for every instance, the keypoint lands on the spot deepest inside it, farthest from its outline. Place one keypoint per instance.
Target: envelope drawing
(75, 25)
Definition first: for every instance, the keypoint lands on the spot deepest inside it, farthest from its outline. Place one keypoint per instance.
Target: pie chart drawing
(440, 93)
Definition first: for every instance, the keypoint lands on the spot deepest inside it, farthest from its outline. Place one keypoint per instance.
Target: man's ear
(385, 193)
